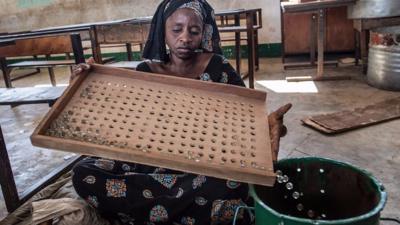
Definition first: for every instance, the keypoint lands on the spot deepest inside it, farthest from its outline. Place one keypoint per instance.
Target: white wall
(21, 15)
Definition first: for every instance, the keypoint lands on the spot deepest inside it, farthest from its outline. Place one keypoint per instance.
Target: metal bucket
(373, 9)
(314, 190)
(384, 58)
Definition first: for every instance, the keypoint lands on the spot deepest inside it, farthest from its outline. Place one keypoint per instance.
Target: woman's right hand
(78, 69)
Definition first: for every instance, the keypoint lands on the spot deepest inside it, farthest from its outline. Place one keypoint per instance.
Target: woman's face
(183, 33)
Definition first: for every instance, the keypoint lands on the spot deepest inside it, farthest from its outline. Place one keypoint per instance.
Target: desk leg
(313, 38)
(68, 57)
(141, 47)
(257, 56)
(7, 181)
(237, 45)
(6, 72)
(96, 51)
(37, 69)
(321, 42)
(129, 51)
(256, 53)
(250, 46)
(51, 73)
(364, 37)
(357, 46)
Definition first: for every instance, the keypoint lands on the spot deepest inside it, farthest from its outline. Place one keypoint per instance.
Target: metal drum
(364, 9)
(384, 58)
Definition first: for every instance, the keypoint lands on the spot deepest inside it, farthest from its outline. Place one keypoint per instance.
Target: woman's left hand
(277, 129)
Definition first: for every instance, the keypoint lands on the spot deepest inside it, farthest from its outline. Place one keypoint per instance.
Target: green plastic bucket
(321, 191)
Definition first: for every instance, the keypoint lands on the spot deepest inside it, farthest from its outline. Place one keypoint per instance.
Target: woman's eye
(176, 30)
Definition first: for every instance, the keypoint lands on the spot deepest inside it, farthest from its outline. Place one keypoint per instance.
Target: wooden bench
(40, 45)
(14, 97)
(229, 21)
(10, 192)
(128, 33)
(50, 64)
(18, 96)
(30, 95)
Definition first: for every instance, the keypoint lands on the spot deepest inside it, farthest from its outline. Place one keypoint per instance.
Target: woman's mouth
(184, 50)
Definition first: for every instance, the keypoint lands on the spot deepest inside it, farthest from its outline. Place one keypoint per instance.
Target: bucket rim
(376, 210)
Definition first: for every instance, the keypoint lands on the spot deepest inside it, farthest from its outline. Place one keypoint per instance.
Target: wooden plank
(206, 128)
(309, 122)
(38, 46)
(359, 117)
(29, 95)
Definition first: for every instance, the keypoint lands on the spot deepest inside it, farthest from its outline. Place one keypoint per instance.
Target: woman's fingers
(278, 114)
(275, 139)
(90, 61)
(275, 149)
(78, 69)
(277, 129)
(283, 130)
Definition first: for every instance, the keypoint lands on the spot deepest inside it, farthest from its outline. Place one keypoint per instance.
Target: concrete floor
(375, 148)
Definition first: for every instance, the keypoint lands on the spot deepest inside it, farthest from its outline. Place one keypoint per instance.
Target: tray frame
(38, 138)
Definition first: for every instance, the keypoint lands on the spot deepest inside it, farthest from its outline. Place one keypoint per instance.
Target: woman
(140, 194)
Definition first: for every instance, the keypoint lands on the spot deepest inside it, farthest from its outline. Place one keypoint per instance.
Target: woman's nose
(185, 37)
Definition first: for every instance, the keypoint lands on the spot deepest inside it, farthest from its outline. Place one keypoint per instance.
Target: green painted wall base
(264, 50)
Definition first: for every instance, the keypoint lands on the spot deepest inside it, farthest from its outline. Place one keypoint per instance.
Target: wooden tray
(183, 124)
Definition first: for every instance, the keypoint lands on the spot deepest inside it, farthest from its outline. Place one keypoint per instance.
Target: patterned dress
(139, 194)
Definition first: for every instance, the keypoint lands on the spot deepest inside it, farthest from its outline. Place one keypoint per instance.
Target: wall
(21, 15)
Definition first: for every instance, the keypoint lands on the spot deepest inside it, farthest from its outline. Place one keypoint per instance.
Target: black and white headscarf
(155, 48)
